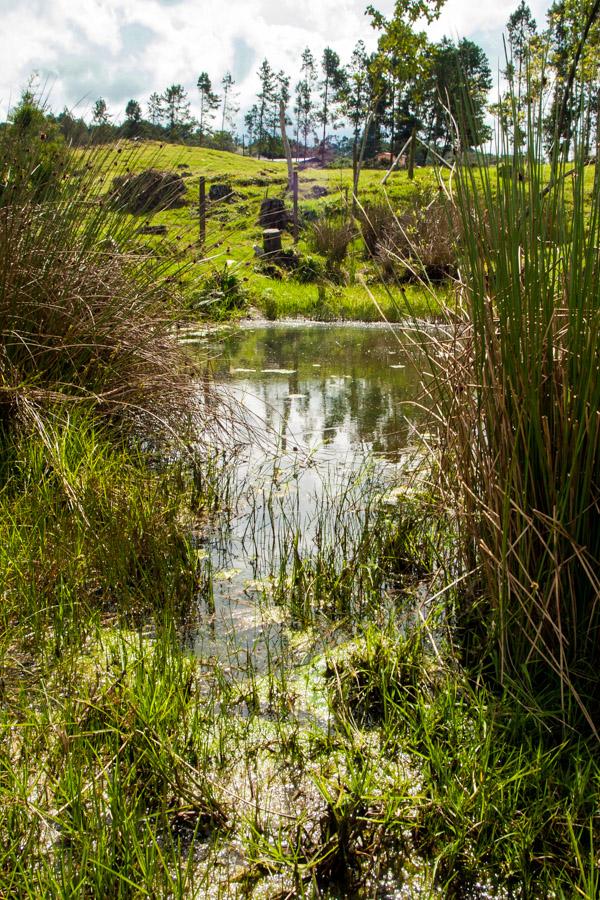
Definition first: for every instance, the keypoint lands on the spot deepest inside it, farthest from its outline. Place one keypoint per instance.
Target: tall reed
(519, 402)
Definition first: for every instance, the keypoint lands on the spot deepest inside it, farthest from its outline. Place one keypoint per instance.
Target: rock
(148, 191)
(318, 191)
(273, 214)
(220, 192)
(153, 229)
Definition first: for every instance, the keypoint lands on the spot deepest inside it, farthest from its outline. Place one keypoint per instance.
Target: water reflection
(320, 385)
(329, 411)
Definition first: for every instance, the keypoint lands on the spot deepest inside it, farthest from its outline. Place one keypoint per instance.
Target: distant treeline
(436, 93)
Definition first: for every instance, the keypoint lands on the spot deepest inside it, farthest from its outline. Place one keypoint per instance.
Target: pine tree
(358, 106)
(133, 111)
(100, 114)
(209, 102)
(521, 29)
(251, 122)
(332, 83)
(356, 95)
(133, 118)
(455, 96)
(156, 108)
(266, 99)
(304, 108)
(230, 107)
(177, 111)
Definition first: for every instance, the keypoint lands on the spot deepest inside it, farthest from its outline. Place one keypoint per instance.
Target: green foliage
(373, 680)
(269, 306)
(222, 294)
(309, 269)
(33, 154)
(456, 95)
(86, 528)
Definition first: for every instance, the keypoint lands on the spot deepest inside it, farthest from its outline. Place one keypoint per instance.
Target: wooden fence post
(202, 210)
(295, 194)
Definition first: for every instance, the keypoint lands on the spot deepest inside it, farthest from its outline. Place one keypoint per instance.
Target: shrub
(310, 268)
(420, 241)
(34, 155)
(424, 239)
(222, 293)
(331, 238)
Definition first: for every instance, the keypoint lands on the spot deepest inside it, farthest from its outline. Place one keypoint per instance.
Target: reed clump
(331, 238)
(86, 313)
(519, 397)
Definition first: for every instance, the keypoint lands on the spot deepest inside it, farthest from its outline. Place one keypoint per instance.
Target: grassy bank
(226, 276)
(228, 261)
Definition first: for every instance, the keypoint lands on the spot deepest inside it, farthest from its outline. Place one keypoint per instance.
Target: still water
(322, 417)
(337, 388)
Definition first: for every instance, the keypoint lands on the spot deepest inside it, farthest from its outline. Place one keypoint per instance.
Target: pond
(333, 387)
(322, 419)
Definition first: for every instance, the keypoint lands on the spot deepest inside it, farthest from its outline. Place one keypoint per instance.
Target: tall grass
(86, 312)
(519, 399)
(98, 788)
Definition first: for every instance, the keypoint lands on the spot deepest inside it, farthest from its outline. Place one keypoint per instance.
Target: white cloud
(123, 48)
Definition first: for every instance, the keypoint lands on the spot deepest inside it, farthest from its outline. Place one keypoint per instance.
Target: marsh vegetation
(298, 609)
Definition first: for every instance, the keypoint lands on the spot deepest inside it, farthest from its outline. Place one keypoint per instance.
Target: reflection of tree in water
(372, 409)
(335, 409)
(346, 374)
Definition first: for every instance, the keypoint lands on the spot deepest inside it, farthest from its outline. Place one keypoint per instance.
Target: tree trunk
(286, 145)
(411, 152)
(358, 163)
(393, 125)
(325, 111)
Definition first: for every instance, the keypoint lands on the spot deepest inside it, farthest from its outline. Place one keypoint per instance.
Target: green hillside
(233, 230)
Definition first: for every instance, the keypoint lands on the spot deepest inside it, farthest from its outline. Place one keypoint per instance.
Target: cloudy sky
(118, 49)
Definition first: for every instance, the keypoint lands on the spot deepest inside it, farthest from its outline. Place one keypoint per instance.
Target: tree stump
(272, 240)
(220, 192)
(273, 213)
